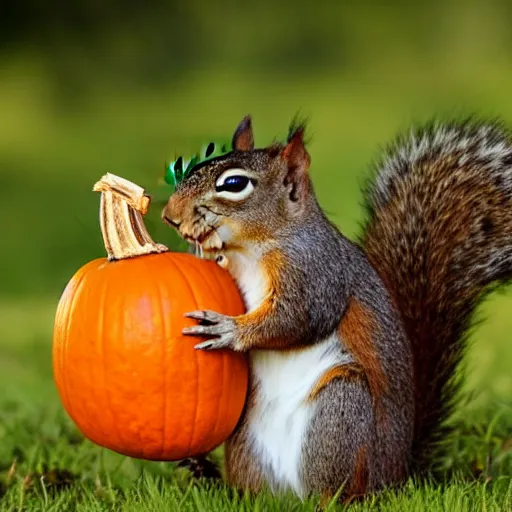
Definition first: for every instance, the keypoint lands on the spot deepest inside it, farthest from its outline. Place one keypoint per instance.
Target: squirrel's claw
(205, 317)
(220, 326)
(225, 341)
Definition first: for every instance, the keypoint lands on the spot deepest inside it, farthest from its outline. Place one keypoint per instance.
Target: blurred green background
(93, 86)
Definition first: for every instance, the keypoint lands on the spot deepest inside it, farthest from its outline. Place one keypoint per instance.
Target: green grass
(46, 465)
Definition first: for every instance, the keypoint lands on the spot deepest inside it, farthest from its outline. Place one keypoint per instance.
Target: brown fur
(250, 324)
(325, 499)
(358, 330)
(359, 482)
(348, 372)
(297, 160)
(243, 139)
(249, 233)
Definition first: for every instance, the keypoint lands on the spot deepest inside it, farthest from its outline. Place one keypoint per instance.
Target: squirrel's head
(244, 195)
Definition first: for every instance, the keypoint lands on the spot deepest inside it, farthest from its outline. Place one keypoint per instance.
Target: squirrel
(353, 346)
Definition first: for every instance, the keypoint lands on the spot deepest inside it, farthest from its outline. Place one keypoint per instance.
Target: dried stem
(123, 205)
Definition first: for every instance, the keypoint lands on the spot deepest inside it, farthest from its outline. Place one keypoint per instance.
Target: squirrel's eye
(234, 186)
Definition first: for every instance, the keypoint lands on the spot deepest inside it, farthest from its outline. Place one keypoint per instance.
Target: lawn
(50, 156)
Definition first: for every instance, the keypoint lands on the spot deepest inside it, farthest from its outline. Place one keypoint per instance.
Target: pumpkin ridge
(139, 432)
(64, 352)
(165, 361)
(225, 375)
(198, 387)
(225, 367)
(100, 334)
(223, 355)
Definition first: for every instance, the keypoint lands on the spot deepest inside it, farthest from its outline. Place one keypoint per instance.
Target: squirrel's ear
(297, 160)
(243, 139)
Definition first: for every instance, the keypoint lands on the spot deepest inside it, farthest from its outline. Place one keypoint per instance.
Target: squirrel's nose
(170, 212)
(167, 216)
(175, 211)
(173, 222)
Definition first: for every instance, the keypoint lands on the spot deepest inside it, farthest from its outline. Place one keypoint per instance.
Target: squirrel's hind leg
(242, 466)
(339, 440)
(346, 447)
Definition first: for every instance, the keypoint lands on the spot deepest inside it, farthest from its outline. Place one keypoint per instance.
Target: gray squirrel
(352, 346)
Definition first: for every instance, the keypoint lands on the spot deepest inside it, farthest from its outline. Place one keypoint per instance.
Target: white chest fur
(249, 276)
(281, 412)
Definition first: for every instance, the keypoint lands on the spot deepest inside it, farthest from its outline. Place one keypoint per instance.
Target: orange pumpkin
(125, 374)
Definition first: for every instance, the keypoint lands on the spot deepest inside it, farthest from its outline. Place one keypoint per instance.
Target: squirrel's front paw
(220, 326)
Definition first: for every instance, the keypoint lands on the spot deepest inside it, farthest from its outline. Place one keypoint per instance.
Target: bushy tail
(439, 232)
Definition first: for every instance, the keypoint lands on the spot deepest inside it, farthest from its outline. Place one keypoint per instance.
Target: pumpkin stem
(123, 205)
